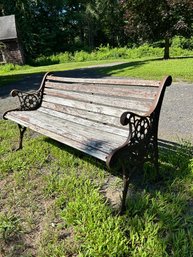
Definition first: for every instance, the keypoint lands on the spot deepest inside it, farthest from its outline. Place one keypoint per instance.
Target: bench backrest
(100, 100)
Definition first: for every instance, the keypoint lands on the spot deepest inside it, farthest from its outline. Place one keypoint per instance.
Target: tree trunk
(167, 49)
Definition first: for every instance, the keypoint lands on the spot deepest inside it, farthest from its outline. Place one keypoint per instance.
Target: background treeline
(48, 27)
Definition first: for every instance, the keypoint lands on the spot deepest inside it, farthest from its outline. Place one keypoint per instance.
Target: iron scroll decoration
(141, 143)
(139, 126)
(28, 101)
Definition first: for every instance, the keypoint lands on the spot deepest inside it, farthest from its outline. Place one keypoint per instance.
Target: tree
(47, 27)
(147, 20)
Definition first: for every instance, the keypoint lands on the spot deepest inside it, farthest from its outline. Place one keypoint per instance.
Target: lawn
(180, 69)
(55, 201)
(10, 74)
(148, 68)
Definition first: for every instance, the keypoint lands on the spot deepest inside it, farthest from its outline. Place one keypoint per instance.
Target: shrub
(65, 57)
(107, 53)
(82, 56)
(182, 42)
(45, 60)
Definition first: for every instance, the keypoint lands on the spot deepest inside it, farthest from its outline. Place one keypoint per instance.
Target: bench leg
(21, 133)
(155, 161)
(124, 195)
(126, 181)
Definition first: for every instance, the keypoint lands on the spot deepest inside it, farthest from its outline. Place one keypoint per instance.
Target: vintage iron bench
(91, 115)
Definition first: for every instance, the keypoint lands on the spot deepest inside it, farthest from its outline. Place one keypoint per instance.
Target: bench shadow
(172, 157)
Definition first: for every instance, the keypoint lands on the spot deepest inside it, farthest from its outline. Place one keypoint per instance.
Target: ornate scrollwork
(141, 145)
(139, 126)
(28, 101)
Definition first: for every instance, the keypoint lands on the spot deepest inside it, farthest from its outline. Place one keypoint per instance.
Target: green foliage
(161, 20)
(100, 233)
(48, 27)
(108, 53)
(9, 226)
(182, 42)
(6, 68)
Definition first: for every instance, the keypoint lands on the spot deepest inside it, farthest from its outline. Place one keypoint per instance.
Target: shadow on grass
(31, 81)
(174, 161)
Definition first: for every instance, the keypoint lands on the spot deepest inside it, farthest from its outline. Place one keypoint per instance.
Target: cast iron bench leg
(127, 176)
(21, 133)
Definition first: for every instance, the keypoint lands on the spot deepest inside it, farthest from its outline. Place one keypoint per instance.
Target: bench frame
(141, 145)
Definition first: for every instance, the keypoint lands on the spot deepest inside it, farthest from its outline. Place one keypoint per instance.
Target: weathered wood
(94, 116)
(130, 82)
(110, 90)
(96, 107)
(98, 139)
(100, 99)
(85, 122)
(108, 110)
(92, 151)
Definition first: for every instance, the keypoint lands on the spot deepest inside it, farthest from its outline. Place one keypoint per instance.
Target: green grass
(146, 68)
(11, 74)
(53, 203)
(142, 62)
(179, 69)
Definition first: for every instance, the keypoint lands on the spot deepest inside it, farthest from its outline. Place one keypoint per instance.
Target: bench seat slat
(100, 117)
(99, 99)
(67, 141)
(85, 122)
(100, 141)
(109, 90)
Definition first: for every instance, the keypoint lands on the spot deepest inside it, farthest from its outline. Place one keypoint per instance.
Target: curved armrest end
(127, 116)
(14, 92)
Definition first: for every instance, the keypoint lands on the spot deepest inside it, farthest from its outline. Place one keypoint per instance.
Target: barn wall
(12, 52)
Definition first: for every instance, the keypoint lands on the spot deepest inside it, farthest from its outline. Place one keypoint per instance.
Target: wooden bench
(91, 115)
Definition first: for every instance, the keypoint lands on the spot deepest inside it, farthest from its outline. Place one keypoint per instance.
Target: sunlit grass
(179, 69)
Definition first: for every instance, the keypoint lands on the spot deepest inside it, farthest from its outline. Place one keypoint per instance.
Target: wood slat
(85, 122)
(100, 140)
(60, 138)
(112, 111)
(106, 81)
(100, 117)
(99, 99)
(110, 90)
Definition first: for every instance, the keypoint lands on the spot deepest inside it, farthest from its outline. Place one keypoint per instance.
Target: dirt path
(176, 120)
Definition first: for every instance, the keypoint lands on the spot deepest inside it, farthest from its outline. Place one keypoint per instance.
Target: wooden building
(10, 48)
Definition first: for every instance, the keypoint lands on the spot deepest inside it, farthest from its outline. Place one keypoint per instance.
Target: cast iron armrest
(139, 125)
(28, 101)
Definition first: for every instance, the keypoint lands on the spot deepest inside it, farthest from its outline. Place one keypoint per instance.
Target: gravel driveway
(176, 120)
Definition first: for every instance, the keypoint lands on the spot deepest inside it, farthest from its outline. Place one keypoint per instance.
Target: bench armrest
(139, 126)
(28, 101)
